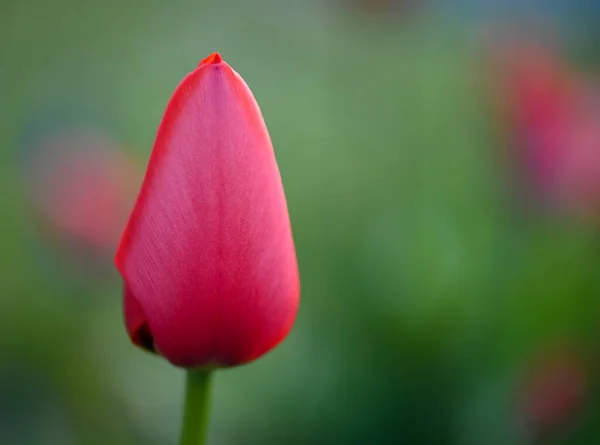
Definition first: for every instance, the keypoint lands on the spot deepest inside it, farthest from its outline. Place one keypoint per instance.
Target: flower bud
(207, 257)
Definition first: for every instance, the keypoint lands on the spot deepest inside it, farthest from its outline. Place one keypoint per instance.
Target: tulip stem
(197, 406)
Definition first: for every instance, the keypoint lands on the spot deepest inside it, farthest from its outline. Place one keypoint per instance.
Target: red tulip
(554, 123)
(207, 257)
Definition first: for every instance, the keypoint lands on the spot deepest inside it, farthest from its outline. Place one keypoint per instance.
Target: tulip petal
(136, 323)
(208, 251)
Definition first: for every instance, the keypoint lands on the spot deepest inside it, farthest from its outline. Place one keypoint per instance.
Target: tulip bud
(207, 257)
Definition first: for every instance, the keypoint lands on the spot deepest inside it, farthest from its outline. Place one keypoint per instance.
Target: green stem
(197, 406)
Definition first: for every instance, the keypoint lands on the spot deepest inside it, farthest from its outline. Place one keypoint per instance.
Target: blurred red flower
(553, 126)
(553, 392)
(82, 187)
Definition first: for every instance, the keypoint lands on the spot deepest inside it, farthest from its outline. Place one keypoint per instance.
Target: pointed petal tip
(213, 59)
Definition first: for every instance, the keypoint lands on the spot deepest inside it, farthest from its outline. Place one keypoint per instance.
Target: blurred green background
(437, 307)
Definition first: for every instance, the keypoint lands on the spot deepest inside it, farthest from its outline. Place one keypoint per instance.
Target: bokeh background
(441, 161)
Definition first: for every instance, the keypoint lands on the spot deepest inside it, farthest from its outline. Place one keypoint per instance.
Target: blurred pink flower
(82, 187)
(553, 391)
(553, 126)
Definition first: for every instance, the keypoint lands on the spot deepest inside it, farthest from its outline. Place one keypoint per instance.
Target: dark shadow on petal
(143, 338)
(135, 319)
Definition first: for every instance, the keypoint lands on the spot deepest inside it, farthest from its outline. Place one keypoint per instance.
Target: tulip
(554, 123)
(207, 257)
